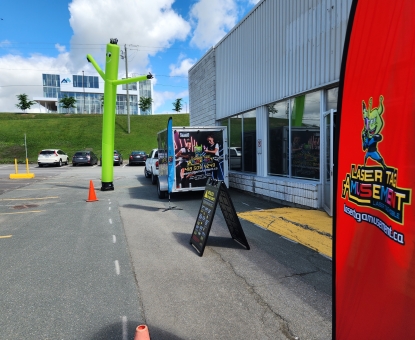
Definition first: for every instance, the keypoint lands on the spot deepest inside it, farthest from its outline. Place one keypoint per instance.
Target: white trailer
(200, 152)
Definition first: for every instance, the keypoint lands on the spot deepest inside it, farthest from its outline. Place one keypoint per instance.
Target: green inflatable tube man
(110, 96)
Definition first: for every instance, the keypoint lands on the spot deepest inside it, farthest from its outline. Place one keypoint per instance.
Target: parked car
(117, 158)
(137, 157)
(84, 157)
(52, 157)
(235, 159)
(237, 149)
(151, 168)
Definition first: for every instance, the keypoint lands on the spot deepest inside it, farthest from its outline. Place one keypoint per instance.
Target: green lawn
(76, 132)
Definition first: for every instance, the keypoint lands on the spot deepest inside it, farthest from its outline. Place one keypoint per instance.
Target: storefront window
(278, 125)
(298, 121)
(305, 136)
(235, 143)
(242, 141)
(249, 142)
(331, 98)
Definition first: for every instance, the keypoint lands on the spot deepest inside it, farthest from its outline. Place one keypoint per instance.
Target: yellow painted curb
(20, 176)
(311, 228)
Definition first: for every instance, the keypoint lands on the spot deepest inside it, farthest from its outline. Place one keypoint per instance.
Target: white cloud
(23, 75)
(213, 19)
(149, 25)
(60, 48)
(163, 97)
(182, 67)
(152, 25)
(4, 43)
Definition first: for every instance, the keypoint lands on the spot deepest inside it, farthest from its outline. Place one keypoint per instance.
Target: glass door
(328, 128)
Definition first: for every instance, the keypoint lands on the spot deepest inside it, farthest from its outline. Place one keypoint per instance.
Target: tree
(145, 103)
(24, 104)
(67, 102)
(177, 105)
(272, 109)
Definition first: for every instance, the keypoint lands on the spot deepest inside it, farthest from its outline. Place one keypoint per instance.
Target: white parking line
(22, 212)
(124, 328)
(117, 267)
(110, 221)
(114, 239)
(28, 198)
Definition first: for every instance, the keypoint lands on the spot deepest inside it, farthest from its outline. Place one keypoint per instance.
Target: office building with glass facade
(89, 94)
(273, 81)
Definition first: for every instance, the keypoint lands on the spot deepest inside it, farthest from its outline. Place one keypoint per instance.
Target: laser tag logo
(375, 186)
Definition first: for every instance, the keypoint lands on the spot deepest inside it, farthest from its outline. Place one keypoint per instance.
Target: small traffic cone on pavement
(141, 333)
(92, 197)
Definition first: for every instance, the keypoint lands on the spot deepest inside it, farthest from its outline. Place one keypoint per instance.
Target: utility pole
(128, 93)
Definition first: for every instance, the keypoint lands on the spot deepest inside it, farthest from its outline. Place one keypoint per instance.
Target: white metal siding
(202, 91)
(280, 49)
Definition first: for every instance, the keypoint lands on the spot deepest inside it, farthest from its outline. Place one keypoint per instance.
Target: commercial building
(89, 94)
(273, 81)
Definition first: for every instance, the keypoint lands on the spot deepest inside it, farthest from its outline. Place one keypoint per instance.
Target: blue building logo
(65, 81)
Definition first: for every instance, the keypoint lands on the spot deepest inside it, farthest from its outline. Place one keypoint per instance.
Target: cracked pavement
(276, 290)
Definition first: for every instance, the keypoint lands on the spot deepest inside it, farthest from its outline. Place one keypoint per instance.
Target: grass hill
(74, 132)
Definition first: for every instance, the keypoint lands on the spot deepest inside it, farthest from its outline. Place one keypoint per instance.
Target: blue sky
(164, 37)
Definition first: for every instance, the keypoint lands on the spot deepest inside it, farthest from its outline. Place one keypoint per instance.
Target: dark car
(84, 157)
(137, 157)
(117, 158)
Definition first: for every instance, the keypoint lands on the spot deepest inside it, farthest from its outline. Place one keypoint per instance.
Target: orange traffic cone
(92, 197)
(141, 333)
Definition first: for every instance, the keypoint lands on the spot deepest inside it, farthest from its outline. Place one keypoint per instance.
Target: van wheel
(161, 194)
(60, 163)
(146, 174)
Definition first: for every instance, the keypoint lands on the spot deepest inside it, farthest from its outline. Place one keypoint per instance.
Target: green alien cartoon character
(110, 96)
(373, 125)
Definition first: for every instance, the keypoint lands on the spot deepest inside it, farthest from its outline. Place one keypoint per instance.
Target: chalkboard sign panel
(216, 192)
(232, 220)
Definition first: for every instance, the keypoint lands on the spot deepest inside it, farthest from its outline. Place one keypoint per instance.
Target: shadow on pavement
(213, 241)
(223, 242)
(143, 207)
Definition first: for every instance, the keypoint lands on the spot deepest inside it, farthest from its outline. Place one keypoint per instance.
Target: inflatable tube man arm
(94, 63)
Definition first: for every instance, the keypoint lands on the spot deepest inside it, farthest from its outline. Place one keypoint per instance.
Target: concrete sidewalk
(276, 290)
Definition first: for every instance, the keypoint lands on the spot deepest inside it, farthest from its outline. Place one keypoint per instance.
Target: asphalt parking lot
(95, 270)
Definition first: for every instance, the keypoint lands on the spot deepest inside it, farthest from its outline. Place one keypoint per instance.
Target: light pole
(128, 93)
(83, 88)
